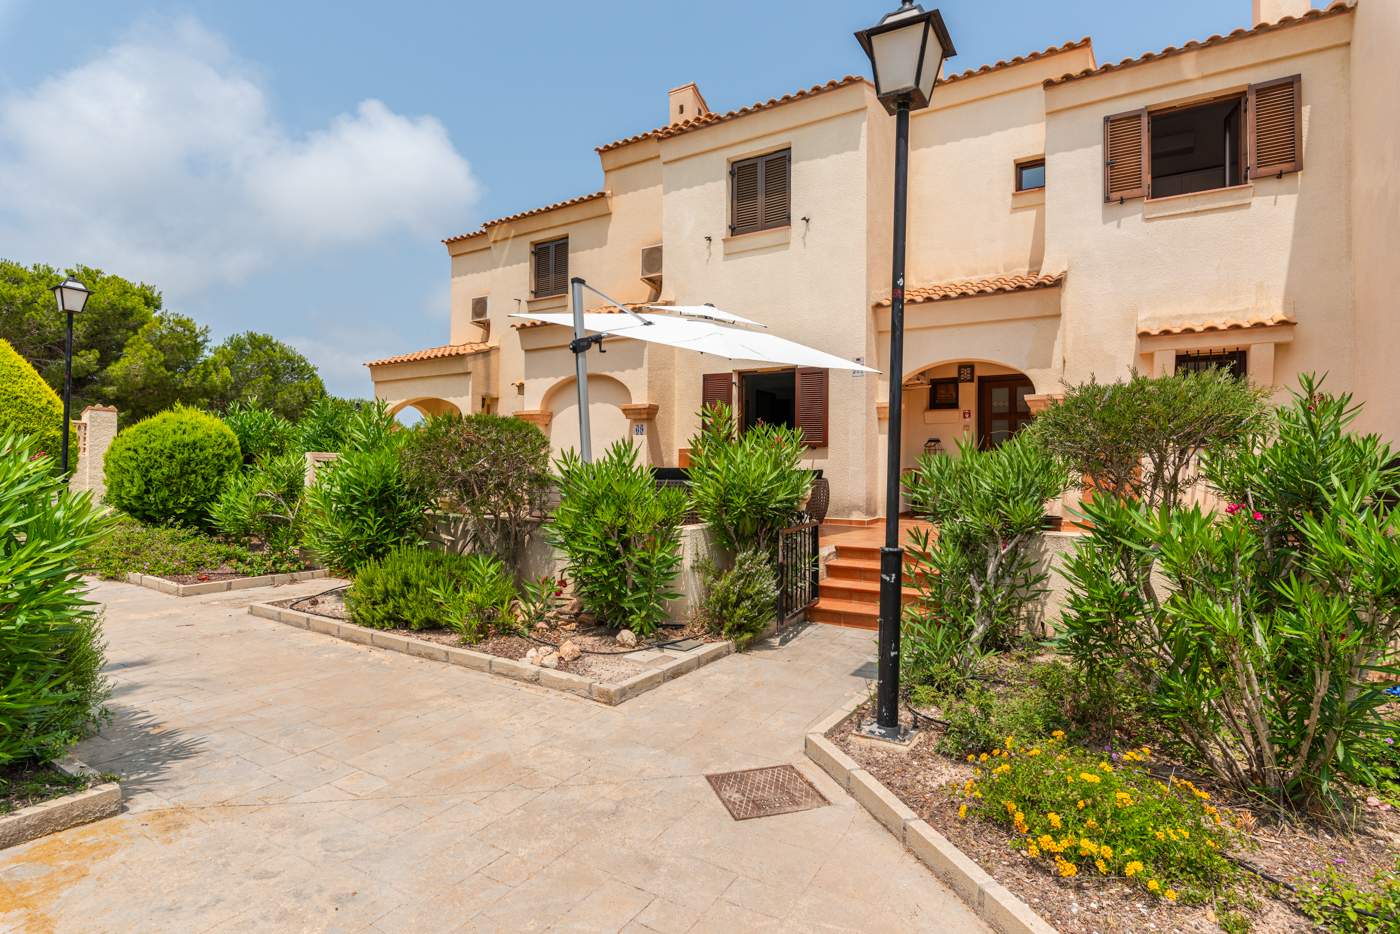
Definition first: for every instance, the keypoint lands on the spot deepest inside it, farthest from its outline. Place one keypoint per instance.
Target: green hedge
(170, 469)
(397, 590)
(29, 406)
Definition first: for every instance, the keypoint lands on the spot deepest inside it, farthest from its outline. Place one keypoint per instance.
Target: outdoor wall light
(71, 296)
(906, 50)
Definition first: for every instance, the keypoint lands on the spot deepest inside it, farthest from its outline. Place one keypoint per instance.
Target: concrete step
(844, 613)
(859, 569)
(849, 591)
(867, 553)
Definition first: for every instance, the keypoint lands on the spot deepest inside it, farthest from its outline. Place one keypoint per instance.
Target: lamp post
(906, 50)
(71, 296)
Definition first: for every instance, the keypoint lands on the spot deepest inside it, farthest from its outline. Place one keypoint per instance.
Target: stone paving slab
(278, 781)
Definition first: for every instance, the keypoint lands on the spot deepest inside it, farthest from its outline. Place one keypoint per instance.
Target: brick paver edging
(237, 583)
(46, 817)
(609, 694)
(989, 898)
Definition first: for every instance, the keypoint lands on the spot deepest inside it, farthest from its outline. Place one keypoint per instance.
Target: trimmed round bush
(171, 468)
(28, 405)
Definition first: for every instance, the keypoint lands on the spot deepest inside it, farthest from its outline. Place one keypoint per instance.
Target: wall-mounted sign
(639, 429)
(967, 415)
(861, 362)
(965, 372)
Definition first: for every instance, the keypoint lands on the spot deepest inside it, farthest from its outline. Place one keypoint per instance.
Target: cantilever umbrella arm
(580, 345)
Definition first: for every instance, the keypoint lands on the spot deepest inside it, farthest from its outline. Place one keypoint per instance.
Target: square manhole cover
(779, 789)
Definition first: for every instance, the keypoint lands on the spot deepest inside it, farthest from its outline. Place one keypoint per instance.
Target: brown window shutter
(747, 201)
(777, 201)
(1127, 146)
(1276, 127)
(717, 387)
(812, 405)
(561, 266)
(544, 269)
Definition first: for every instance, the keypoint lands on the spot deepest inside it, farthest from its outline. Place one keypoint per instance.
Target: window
(943, 394)
(761, 193)
(796, 398)
(1218, 144)
(551, 267)
(1030, 175)
(1233, 361)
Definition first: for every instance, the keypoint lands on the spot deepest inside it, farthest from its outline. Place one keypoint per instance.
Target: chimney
(1271, 11)
(686, 104)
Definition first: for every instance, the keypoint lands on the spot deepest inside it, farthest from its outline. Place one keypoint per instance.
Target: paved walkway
(281, 780)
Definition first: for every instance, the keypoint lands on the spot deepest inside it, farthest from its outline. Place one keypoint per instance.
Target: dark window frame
(1236, 361)
(558, 280)
(1021, 168)
(764, 215)
(933, 403)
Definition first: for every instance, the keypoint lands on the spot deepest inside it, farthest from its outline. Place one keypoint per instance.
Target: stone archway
(607, 422)
(427, 406)
(939, 404)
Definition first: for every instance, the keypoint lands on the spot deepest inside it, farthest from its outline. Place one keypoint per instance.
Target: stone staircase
(849, 595)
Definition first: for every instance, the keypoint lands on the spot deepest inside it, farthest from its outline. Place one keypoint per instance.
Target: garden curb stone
(611, 695)
(241, 583)
(990, 899)
(84, 807)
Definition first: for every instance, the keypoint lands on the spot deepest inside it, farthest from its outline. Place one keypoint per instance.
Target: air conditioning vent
(651, 265)
(481, 309)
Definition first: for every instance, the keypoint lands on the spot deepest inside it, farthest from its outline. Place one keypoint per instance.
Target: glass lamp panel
(933, 60)
(896, 55)
(71, 299)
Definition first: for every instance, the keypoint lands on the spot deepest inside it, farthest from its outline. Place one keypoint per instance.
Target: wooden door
(1001, 408)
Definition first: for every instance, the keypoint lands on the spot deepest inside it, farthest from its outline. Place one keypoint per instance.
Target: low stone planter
(236, 583)
(84, 807)
(671, 667)
(989, 898)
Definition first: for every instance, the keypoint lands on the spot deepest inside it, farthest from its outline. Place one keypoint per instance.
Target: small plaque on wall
(966, 372)
(639, 429)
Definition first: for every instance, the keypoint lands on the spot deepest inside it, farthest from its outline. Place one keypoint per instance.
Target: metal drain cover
(778, 789)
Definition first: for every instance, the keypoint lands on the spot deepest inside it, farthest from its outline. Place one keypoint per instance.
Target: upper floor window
(1201, 147)
(551, 267)
(762, 192)
(1030, 175)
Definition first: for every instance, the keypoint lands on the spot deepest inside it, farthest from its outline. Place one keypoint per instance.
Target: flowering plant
(1104, 813)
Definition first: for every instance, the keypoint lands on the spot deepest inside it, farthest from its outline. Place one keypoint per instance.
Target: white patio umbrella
(706, 311)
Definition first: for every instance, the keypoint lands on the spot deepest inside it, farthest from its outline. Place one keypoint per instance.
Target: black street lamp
(906, 50)
(71, 296)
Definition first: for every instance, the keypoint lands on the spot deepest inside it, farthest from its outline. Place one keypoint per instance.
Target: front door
(1002, 408)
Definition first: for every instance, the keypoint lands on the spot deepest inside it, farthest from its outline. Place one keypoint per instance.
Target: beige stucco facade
(1046, 286)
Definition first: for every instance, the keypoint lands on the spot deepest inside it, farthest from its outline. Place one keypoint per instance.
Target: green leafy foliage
(264, 503)
(28, 405)
(338, 425)
(171, 469)
(361, 508)
(1089, 812)
(621, 535)
(974, 576)
(161, 551)
(493, 470)
(1140, 439)
(750, 487)
(163, 365)
(397, 590)
(1261, 646)
(261, 432)
(479, 602)
(540, 600)
(1337, 904)
(259, 370)
(51, 654)
(741, 602)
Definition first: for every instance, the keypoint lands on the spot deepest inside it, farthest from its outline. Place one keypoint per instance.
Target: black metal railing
(798, 569)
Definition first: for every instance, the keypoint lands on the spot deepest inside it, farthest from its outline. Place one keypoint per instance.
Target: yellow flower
(1066, 868)
(1088, 848)
(1133, 868)
(1186, 834)
(1010, 806)
(962, 811)
(1033, 851)
(1211, 844)
(977, 794)
(1020, 822)
(1001, 768)
(1033, 752)
(1105, 852)
(1124, 799)
(1091, 824)
(1046, 842)
(1153, 885)
(1103, 867)
(1089, 777)
(996, 752)
(1081, 804)
(1058, 734)
(1171, 895)
(971, 758)
(982, 758)
(1105, 766)
(1008, 741)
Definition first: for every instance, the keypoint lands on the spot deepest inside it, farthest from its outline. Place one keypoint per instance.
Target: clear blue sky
(290, 166)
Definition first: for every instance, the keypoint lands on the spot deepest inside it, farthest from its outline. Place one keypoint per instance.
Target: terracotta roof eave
(1278, 319)
(1018, 60)
(998, 286)
(531, 213)
(434, 353)
(1340, 6)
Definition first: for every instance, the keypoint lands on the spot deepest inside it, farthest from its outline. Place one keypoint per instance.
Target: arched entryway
(426, 406)
(956, 403)
(607, 423)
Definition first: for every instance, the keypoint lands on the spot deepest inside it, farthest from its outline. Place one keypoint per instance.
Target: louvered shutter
(748, 215)
(812, 405)
(544, 269)
(716, 387)
(777, 204)
(561, 266)
(1276, 127)
(1127, 146)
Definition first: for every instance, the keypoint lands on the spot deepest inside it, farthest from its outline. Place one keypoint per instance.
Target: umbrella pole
(580, 349)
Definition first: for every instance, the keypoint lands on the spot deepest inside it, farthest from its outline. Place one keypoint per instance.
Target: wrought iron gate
(797, 569)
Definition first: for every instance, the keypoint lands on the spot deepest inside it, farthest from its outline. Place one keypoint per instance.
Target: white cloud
(161, 161)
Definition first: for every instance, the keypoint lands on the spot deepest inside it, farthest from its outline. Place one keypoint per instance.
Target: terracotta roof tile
(1229, 324)
(1340, 6)
(1018, 60)
(639, 307)
(515, 217)
(433, 353)
(935, 293)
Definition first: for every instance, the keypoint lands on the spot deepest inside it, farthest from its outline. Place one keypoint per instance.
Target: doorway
(1001, 409)
(770, 398)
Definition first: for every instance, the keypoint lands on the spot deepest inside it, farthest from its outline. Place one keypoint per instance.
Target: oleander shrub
(1104, 814)
(128, 547)
(343, 425)
(747, 487)
(621, 536)
(362, 507)
(1339, 905)
(739, 603)
(264, 503)
(261, 433)
(30, 406)
(397, 590)
(171, 468)
(52, 690)
(479, 602)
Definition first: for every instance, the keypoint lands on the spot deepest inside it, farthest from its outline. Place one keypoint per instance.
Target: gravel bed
(1086, 904)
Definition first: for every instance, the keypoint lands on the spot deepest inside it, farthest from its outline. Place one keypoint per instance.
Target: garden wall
(96, 428)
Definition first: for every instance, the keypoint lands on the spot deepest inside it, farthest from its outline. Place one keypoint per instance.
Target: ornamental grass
(1105, 814)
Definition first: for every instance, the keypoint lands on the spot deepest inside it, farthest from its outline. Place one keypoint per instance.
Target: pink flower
(1233, 508)
(1258, 517)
